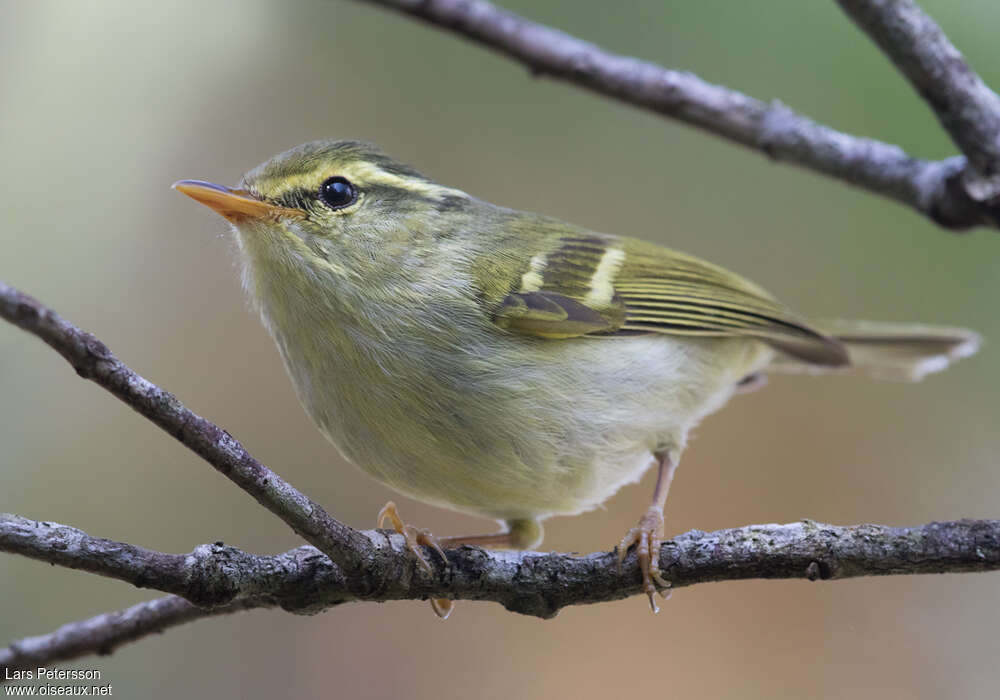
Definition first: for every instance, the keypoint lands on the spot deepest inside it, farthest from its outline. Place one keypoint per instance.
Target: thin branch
(348, 565)
(220, 579)
(211, 576)
(224, 579)
(75, 549)
(93, 360)
(934, 188)
(102, 634)
(967, 108)
(215, 575)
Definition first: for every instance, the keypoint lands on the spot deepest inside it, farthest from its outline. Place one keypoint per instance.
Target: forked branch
(216, 579)
(952, 192)
(346, 565)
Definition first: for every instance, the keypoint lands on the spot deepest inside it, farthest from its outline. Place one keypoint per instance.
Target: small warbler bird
(507, 364)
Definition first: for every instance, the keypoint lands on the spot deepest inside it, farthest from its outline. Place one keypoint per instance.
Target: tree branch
(102, 634)
(222, 580)
(967, 108)
(346, 565)
(93, 360)
(303, 580)
(934, 188)
(211, 576)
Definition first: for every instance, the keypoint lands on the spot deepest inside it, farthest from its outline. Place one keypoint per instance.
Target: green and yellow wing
(591, 285)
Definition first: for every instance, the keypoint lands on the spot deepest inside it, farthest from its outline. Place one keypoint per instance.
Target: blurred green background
(104, 104)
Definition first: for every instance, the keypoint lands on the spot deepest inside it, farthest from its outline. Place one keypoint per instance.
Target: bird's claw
(647, 537)
(442, 607)
(417, 537)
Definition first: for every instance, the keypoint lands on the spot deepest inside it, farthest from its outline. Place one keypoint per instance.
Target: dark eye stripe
(307, 199)
(297, 198)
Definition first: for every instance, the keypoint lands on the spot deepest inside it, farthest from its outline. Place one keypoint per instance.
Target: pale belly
(556, 433)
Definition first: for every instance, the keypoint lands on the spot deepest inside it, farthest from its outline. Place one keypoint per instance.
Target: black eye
(337, 192)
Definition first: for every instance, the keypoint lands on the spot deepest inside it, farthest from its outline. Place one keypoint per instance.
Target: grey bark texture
(215, 579)
(345, 565)
(951, 192)
(93, 360)
(966, 107)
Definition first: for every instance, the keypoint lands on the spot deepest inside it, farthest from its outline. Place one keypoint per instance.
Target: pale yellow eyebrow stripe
(362, 174)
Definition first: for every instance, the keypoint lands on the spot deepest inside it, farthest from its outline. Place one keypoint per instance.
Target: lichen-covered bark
(216, 579)
(346, 565)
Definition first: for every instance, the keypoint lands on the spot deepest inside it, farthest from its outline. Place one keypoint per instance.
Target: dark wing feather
(586, 285)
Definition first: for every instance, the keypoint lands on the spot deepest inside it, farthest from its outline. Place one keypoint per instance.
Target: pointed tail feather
(896, 351)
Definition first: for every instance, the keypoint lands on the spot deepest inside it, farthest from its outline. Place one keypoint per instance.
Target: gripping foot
(415, 539)
(647, 537)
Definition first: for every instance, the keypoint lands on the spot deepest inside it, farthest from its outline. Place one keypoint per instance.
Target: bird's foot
(647, 537)
(415, 539)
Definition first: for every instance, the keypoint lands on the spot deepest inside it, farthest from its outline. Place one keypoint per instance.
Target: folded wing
(590, 285)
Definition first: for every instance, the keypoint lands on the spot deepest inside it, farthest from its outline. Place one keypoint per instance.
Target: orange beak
(235, 205)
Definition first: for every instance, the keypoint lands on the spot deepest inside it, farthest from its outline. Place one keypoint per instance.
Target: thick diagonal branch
(217, 578)
(387, 572)
(221, 579)
(967, 108)
(934, 188)
(93, 360)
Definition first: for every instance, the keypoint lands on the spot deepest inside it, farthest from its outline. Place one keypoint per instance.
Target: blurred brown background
(105, 104)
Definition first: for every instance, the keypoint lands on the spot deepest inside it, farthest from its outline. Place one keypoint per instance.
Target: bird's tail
(896, 351)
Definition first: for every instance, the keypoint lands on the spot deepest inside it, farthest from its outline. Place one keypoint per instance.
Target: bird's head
(339, 206)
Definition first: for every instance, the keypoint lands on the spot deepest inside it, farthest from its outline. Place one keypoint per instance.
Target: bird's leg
(520, 534)
(648, 534)
(751, 382)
